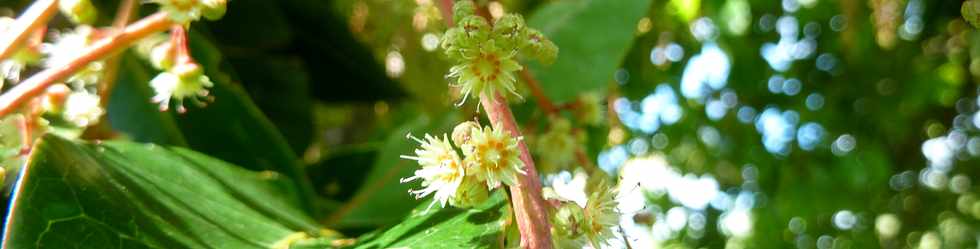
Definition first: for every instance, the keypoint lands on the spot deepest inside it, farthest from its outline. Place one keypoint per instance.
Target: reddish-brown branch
(123, 16)
(35, 85)
(543, 101)
(529, 207)
(33, 18)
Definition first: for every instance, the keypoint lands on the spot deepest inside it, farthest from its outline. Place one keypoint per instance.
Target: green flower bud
(463, 9)
(971, 12)
(475, 27)
(461, 134)
(79, 11)
(471, 192)
(540, 47)
(509, 32)
(214, 9)
(453, 42)
(589, 109)
(566, 229)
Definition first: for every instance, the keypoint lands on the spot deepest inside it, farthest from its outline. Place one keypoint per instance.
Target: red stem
(529, 207)
(35, 85)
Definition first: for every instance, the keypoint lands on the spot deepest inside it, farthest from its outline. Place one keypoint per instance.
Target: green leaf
(480, 227)
(593, 37)
(231, 128)
(129, 195)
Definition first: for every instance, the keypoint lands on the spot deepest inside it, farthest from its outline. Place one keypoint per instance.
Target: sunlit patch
(705, 72)
(394, 64)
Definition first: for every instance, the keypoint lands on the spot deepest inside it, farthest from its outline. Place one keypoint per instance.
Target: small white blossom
(442, 170)
(67, 47)
(82, 109)
(184, 81)
(186, 11)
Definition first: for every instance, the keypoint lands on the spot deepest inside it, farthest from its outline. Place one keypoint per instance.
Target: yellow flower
(442, 171)
(493, 155)
(486, 72)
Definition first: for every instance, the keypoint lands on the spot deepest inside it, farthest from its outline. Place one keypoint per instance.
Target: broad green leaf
(593, 37)
(382, 200)
(130, 195)
(480, 227)
(231, 128)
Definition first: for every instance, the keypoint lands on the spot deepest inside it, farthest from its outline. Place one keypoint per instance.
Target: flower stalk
(529, 206)
(102, 48)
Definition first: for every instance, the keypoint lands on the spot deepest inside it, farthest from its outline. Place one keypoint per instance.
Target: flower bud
(463, 9)
(79, 11)
(461, 134)
(971, 12)
(566, 229)
(590, 108)
(509, 31)
(540, 47)
(475, 27)
(471, 192)
(214, 9)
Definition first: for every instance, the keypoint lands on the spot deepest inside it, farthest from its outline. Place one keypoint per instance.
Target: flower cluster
(574, 225)
(490, 157)
(186, 11)
(486, 53)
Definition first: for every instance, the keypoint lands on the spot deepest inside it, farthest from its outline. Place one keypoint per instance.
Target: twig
(33, 18)
(538, 93)
(35, 85)
(123, 16)
(529, 207)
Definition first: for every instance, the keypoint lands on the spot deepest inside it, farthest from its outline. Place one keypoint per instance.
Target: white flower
(442, 171)
(67, 47)
(184, 81)
(82, 109)
(186, 11)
